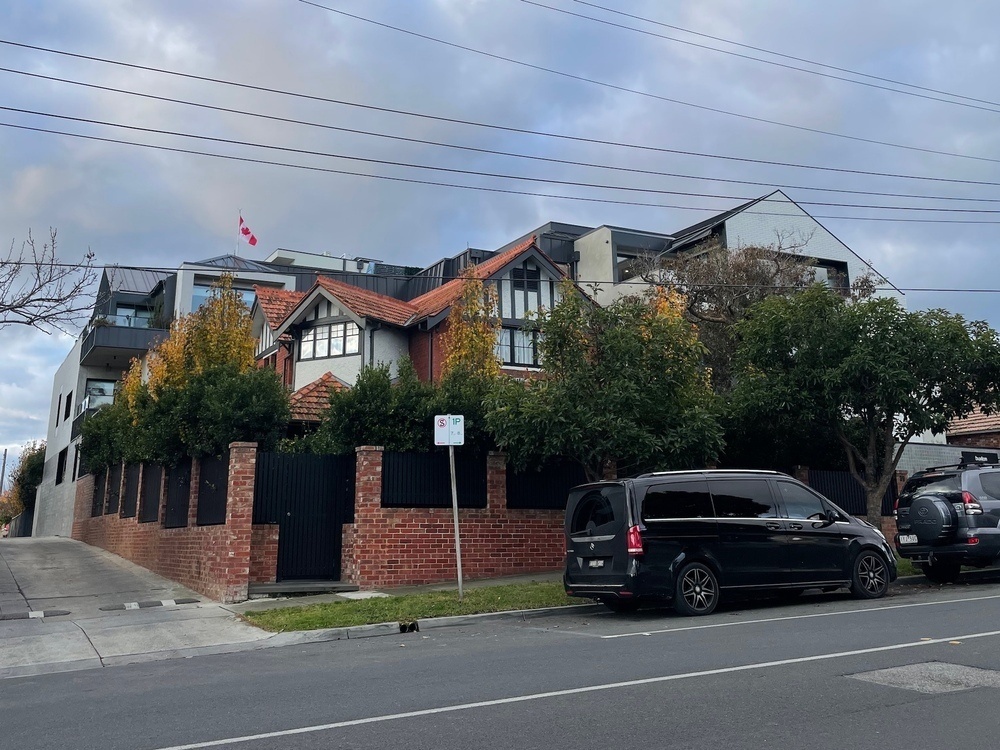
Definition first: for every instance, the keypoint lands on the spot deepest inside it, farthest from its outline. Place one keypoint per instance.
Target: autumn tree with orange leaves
(197, 391)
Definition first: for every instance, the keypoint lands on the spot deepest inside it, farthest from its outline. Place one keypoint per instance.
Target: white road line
(571, 691)
(798, 617)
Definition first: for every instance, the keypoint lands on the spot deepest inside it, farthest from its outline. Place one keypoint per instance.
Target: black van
(690, 536)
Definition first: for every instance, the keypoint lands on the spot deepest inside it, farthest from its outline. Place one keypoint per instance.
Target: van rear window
(597, 511)
(933, 483)
(677, 500)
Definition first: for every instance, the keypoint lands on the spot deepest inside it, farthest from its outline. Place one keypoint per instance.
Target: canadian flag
(246, 234)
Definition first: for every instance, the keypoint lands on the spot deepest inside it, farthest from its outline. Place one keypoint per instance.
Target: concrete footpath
(65, 606)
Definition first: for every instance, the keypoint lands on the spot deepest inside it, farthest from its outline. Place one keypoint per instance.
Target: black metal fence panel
(131, 497)
(310, 498)
(845, 491)
(178, 495)
(423, 480)
(212, 489)
(149, 499)
(100, 482)
(545, 488)
(114, 489)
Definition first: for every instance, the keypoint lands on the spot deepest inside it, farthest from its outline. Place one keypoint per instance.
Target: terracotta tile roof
(276, 303)
(974, 424)
(309, 401)
(369, 304)
(437, 300)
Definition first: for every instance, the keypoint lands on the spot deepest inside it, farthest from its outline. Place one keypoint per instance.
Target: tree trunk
(873, 498)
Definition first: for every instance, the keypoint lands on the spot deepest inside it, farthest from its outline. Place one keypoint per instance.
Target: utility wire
(786, 66)
(475, 149)
(647, 94)
(414, 181)
(445, 278)
(503, 128)
(786, 56)
(478, 173)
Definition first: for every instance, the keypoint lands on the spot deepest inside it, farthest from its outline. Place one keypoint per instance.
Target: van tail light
(972, 540)
(634, 540)
(971, 505)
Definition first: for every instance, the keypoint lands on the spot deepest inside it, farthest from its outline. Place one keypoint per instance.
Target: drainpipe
(371, 343)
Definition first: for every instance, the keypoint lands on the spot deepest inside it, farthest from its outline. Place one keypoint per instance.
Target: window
(69, 406)
(800, 502)
(518, 348)
(333, 340)
(58, 409)
(677, 500)
(203, 291)
(76, 461)
(99, 393)
(526, 279)
(991, 483)
(743, 498)
(598, 512)
(61, 465)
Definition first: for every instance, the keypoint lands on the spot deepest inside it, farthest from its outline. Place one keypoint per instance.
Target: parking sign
(449, 429)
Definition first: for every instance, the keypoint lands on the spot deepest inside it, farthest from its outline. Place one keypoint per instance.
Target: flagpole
(238, 232)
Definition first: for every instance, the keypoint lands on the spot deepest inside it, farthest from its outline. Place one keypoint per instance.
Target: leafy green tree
(377, 411)
(870, 373)
(623, 390)
(223, 404)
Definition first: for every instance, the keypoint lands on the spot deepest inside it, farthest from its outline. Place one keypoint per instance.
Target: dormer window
(334, 340)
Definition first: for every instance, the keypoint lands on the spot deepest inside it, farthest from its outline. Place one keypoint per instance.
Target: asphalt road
(755, 675)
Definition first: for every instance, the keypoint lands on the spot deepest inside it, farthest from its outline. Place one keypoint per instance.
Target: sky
(579, 75)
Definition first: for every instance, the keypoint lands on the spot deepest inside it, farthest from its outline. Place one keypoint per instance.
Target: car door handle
(795, 526)
(773, 526)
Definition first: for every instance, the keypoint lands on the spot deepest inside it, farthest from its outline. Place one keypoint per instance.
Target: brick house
(976, 430)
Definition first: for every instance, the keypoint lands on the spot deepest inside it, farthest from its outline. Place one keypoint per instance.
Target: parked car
(690, 537)
(947, 517)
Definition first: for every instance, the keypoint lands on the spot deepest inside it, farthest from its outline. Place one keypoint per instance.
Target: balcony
(113, 340)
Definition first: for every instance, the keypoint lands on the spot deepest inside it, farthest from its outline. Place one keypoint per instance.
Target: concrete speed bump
(34, 614)
(147, 604)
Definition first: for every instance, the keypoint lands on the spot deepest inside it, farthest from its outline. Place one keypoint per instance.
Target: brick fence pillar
(801, 473)
(193, 492)
(239, 519)
(360, 556)
(496, 481)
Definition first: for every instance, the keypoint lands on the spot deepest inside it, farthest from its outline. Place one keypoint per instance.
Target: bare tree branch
(40, 291)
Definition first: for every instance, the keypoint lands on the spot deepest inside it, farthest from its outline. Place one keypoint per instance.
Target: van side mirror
(831, 516)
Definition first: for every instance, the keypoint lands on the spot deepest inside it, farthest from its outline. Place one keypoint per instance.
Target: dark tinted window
(677, 500)
(743, 498)
(991, 483)
(933, 483)
(597, 511)
(800, 502)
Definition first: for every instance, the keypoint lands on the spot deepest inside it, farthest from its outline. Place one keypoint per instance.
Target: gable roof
(974, 424)
(309, 401)
(276, 303)
(232, 261)
(438, 300)
(366, 303)
(703, 228)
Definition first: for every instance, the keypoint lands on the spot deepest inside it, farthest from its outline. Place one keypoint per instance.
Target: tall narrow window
(69, 405)
(61, 465)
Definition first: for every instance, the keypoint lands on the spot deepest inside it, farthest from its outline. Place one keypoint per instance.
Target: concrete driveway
(65, 605)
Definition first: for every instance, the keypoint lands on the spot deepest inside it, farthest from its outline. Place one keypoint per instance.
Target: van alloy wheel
(871, 576)
(697, 590)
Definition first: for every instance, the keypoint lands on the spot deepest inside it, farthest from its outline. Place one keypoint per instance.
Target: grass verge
(906, 567)
(412, 607)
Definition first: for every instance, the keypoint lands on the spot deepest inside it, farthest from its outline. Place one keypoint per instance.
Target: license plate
(596, 563)
(907, 538)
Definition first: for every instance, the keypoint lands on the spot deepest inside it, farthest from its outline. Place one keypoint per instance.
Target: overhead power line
(476, 149)
(329, 170)
(477, 172)
(787, 56)
(479, 124)
(994, 109)
(647, 94)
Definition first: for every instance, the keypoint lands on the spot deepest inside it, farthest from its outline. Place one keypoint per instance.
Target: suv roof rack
(702, 471)
(963, 465)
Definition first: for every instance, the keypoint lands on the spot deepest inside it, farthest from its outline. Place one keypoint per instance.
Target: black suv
(691, 536)
(948, 516)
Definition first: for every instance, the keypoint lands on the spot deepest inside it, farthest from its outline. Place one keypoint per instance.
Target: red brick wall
(403, 546)
(213, 560)
(426, 352)
(982, 440)
(264, 553)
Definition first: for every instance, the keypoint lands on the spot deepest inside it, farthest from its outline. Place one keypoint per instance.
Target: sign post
(449, 429)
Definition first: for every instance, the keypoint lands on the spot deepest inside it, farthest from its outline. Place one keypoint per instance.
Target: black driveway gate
(310, 497)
